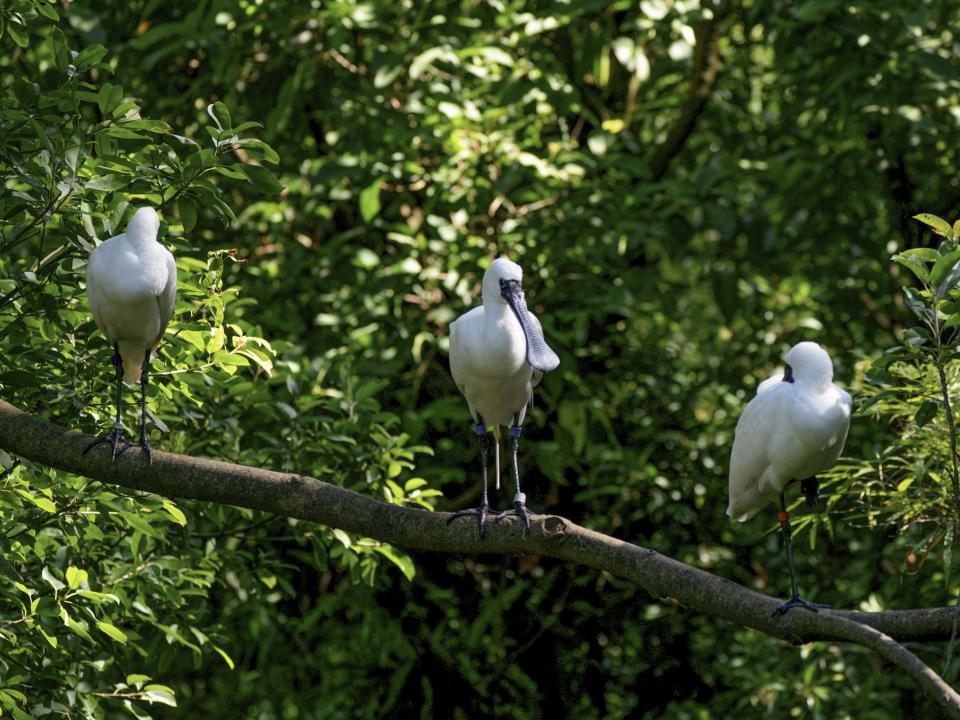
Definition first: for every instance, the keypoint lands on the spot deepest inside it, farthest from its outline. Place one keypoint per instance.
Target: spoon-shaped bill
(539, 355)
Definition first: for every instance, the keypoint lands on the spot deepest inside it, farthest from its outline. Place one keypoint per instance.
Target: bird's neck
(140, 241)
(496, 313)
(816, 383)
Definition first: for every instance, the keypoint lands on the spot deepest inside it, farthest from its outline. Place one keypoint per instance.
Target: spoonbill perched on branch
(132, 285)
(793, 429)
(497, 355)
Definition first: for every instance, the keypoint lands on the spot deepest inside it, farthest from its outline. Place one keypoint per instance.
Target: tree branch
(182, 476)
(706, 69)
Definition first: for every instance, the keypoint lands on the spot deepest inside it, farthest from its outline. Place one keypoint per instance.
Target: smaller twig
(238, 531)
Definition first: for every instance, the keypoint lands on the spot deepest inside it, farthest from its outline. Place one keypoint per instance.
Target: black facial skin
(788, 374)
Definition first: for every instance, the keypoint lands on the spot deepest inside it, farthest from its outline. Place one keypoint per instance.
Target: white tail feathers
(132, 371)
(133, 355)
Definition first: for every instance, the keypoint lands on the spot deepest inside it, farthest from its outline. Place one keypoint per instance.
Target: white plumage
(793, 429)
(132, 284)
(497, 356)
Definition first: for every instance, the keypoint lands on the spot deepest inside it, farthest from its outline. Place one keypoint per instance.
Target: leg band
(481, 429)
(515, 431)
(116, 360)
(783, 516)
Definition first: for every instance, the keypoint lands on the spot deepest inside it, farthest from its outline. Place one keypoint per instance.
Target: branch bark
(182, 476)
(706, 68)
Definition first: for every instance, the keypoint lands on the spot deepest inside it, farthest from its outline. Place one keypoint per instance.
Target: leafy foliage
(332, 179)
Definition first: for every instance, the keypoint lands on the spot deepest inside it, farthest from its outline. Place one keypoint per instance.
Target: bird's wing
(458, 351)
(770, 382)
(168, 296)
(819, 426)
(750, 458)
(96, 275)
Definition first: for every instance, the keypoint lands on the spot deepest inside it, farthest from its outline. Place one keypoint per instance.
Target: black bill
(539, 355)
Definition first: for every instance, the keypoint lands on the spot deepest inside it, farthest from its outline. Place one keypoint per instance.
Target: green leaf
(220, 114)
(913, 263)
(263, 178)
(217, 340)
(138, 523)
(51, 580)
(195, 338)
(942, 267)
(916, 304)
(18, 31)
(188, 213)
(234, 172)
(928, 410)
(109, 182)
(75, 577)
(99, 597)
(370, 201)
(112, 630)
(49, 638)
(342, 537)
(41, 502)
(159, 694)
(89, 56)
(48, 12)
(925, 254)
(60, 50)
(939, 225)
(226, 658)
(952, 321)
(108, 98)
(401, 560)
(259, 150)
(78, 629)
(175, 512)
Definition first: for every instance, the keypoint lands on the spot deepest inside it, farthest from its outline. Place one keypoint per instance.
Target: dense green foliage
(690, 188)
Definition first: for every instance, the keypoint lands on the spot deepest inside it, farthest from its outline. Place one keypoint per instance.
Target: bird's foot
(797, 601)
(481, 514)
(115, 439)
(145, 446)
(519, 510)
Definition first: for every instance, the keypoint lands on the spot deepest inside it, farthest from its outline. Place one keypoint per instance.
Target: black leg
(519, 499)
(484, 509)
(811, 490)
(795, 599)
(115, 438)
(144, 379)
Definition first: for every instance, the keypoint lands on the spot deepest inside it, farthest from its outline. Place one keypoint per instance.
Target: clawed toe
(481, 514)
(797, 601)
(115, 439)
(145, 446)
(519, 510)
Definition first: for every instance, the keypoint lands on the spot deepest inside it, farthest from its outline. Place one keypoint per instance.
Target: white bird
(132, 285)
(497, 355)
(793, 429)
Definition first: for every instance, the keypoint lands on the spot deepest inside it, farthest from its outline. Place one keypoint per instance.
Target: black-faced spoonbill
(497, 356)
(132, 285)
(793, 429)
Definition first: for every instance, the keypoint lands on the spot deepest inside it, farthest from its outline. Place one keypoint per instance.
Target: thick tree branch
(706, 69)
(182, 476)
